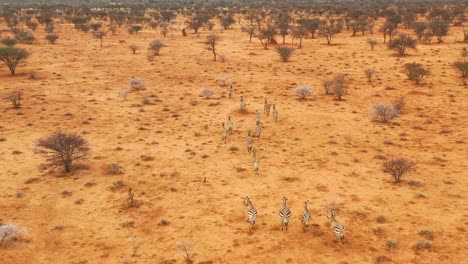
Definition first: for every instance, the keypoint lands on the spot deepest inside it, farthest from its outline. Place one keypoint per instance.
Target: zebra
(251, 212)
(230, 125)
(224, 133)
(243, 106)
(284, 214)
(337, 228)
(275, 113)
(306, 216)
(258, 129)
(230, 91)
(266, 108)
(256, 162)
(258, 118)
(249, 141)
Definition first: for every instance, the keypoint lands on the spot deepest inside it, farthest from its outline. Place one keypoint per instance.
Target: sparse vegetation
(383, 112)
(207, 92)
(415, 71)
(284, 52)
(302, 92)
(155, 46)
(62, 149)
(137, 83)
(462, 66)
(10, 232)
(12, 56)
(398, 168)
(402, 43)
(14, 97)
(52, 38)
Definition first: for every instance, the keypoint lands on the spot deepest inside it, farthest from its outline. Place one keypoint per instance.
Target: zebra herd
(337, 228)
(285, 213)
(229, 127)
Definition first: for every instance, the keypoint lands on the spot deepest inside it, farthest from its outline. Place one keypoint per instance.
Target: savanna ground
(321, 150)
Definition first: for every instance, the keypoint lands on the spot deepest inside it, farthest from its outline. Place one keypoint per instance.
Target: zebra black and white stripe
(266, 108)
(230, 125)
(249, 142)
(251, 212)
(230, 91)
(243, 106)
(275, 113)
(224, 133)
(306, 216)
(258, 129)
(256, 162)
(337, 228)
(284, 214)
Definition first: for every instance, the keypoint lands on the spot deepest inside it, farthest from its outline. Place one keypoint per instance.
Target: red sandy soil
(321, 150)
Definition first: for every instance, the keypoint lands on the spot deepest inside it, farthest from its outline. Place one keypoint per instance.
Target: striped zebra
(266, 108)
(256, 162)
(275, 113)
(249, 141)
(258, 129)
(224, 133)
(285, 214)
(251, 212)
(258, 118)
(243, 106)
(230, 91)
(306, 216)
(230, 125)
(337, 228)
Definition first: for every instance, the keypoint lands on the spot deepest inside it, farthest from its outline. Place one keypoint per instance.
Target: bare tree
(302, 91)
(99, 35)
(372, 43)
(415, 71)
(211, 42)
(383, 112)
(14, 97)
(462, 66)
(187, 247)
(284, 52)
(330, 28)
(62, 149)
(134, 48)
(398, 167)
(401, 43)
(155, 46)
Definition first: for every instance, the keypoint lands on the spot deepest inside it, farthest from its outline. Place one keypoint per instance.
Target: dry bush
(155, 46)
(427, 234)
(137, 83)
(207, 92)
(10, 232)
(462, 66)
(187, 248)
(327, 86)
(401, 43)
(383, 112)
(134, 48)
(399, 103)
(14, 97)
(372, 43)
(284, 52)
(222, 80)
(391, 244)
(422, 244)
(52, 38)
(339, 86)
(398, 167)
(415, 71)
(369, 74)
(114, 169)
(303, 91)
(62, 149)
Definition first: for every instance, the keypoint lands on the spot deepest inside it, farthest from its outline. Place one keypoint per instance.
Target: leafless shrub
(383, 112)
(369, 74)
(134, 48)
(187, 248)
(427, 234)
(391, 244)
(382, 258)
(302, 91)
(223, 80)
(327, 86)
(381, 219)
(284, 52)
(10, 232)
(339, 86)
(462, 66)
(372, 43)
(422, 244)
(415, 71)
(155, 46)
(14, 97)
(398, 167)
(62, 149)
(113, 169)
(136, 83)
(207, 92)
(399, 103)
(32, 74)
